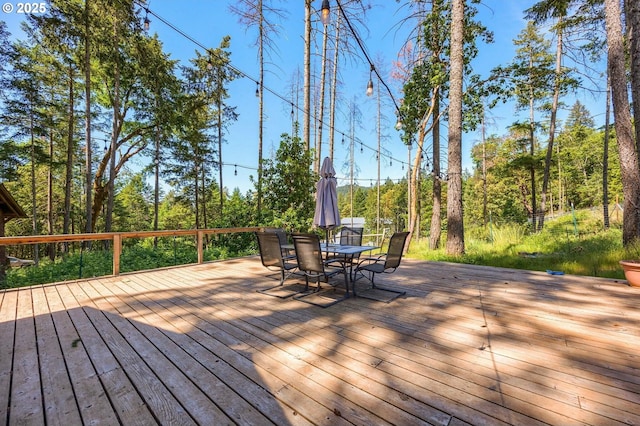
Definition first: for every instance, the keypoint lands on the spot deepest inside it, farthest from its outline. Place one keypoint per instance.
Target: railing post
(117, 250)
(200, 244)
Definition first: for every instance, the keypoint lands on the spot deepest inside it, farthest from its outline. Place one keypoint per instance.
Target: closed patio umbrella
(327, 215)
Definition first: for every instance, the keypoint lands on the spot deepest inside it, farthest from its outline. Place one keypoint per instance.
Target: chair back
(351, 236)
(308, 252)
(396, 248)
(282, 235)
(270, 252)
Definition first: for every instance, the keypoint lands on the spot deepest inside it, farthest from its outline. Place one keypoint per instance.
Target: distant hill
(342, 190)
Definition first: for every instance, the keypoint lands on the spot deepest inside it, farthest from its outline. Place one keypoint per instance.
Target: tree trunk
(632, 9)
(436, 218)
(532, 168)
(552, 127)
(203, 185)
(306, 125)
(455, 227)
(334, 88)
(70, 154)
(114, 134)
(435, 229)
(50, 228)
(605, 160)
(415, 171)
(156, 188)
(220, 136)
(630, 173)
(261, 36)
(99, 189)
(90, 220)
(484, 169)
(320, 114)
(34, 208)
(379, 139)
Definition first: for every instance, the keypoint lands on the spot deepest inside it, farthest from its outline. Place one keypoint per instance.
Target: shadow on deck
(199, 345)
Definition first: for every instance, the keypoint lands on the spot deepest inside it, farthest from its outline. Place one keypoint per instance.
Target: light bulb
(324, 12)
(370, 88)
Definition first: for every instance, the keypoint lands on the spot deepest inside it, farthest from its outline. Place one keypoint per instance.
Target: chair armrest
(376, 258)
(333, 260)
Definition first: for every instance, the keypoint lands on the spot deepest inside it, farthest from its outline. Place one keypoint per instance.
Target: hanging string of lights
(324, 15)
(325, 10)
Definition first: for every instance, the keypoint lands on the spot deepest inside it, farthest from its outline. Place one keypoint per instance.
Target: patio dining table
(346, 252)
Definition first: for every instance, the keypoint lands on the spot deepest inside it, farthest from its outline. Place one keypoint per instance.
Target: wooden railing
(116, 239)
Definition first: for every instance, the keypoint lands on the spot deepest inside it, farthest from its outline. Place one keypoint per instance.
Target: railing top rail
(35, 239)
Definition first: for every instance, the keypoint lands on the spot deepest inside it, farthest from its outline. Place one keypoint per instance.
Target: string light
(366, 55)
(370, 84)
(324, 12)
(235, 170)
(146, 20)
(257, 89)
(209, 63)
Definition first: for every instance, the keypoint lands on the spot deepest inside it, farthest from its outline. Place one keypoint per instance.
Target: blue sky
(208, 21)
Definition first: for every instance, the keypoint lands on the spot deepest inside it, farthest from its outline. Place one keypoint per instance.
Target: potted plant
(631, 270)
(631, 267)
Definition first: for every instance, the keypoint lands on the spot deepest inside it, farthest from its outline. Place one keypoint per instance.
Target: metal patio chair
(349, 237)
(282, 237)
(271, 255)
(312, 265)
(384, 263)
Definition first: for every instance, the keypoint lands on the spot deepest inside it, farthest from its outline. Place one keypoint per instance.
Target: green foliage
(430, 75)
(137, 255)
(92, 263)
(575, 177)
(289, 185)
(581, 249)
(176, 212)
(133, 208)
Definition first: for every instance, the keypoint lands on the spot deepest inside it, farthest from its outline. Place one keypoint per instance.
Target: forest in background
(94, 114)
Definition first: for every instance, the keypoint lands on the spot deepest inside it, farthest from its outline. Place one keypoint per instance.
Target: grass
(580, 247)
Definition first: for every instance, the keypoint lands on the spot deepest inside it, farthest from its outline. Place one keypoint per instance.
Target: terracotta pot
(631, 271)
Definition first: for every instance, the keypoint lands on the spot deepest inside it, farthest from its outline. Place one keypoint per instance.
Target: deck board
(8, 304)
(466, 345)
(59, 399)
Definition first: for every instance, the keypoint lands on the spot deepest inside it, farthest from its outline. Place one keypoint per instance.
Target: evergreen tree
(529, 80)
(289, 185)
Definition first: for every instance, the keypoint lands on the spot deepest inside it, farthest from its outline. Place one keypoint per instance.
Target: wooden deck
(198, 345)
